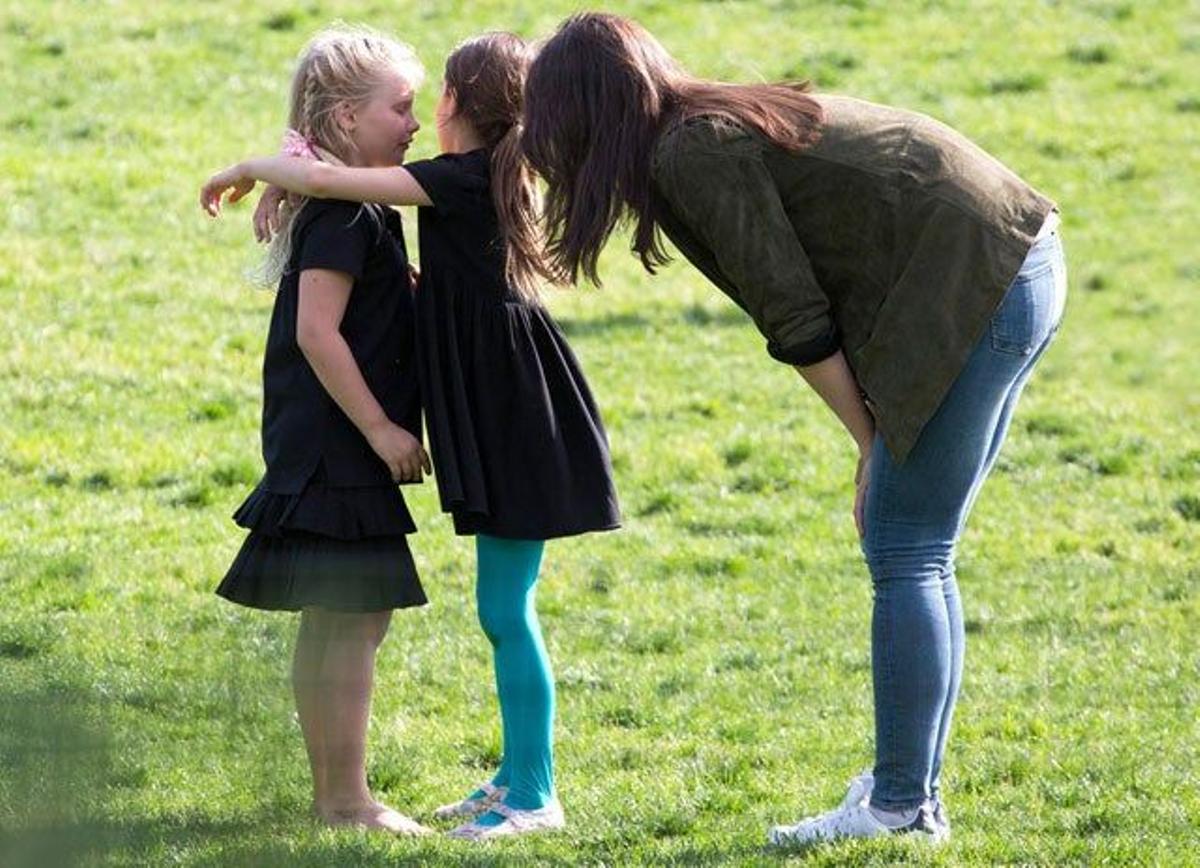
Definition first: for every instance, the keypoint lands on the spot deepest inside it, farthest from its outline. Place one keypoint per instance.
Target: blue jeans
(914, 515)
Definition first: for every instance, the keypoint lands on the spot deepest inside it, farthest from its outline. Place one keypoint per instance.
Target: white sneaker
(853, 818)
(859, 793)
(516, 822)
(473, 807)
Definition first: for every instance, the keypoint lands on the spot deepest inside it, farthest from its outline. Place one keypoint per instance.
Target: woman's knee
(909, 561)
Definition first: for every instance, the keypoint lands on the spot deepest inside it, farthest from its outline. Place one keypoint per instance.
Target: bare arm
(833, 380)
(323, 298)
(392, 185)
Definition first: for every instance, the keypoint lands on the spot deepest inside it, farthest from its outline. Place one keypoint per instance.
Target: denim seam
(889, 672)
(886, 486)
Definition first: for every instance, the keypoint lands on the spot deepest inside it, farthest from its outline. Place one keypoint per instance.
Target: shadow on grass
(693, 315)
(58, 772)
(578, 327)
(65, 779)
(99, 842)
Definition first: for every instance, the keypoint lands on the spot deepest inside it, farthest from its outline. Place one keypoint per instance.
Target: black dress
(327, 524)
(518, 447)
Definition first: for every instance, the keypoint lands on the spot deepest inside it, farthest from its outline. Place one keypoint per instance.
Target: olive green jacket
(893, 238)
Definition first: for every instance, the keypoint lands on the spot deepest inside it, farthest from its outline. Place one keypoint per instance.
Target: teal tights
(507, 579)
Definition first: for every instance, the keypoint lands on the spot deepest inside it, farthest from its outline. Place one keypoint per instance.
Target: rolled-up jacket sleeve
(717, 184)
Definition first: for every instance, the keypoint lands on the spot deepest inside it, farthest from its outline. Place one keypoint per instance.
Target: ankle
(894, 818)
(342, 802)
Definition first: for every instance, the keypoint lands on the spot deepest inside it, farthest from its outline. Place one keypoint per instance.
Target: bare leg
(348, 677)
(307, 688)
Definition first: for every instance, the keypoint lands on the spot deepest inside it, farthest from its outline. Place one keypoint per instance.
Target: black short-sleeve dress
(327, 524)
(518, 447)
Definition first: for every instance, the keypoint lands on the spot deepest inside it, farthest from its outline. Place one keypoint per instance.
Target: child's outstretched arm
(324, 295)
(391, 185)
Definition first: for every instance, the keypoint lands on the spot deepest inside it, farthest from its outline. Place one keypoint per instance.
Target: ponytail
(486, 76)
(517, 200)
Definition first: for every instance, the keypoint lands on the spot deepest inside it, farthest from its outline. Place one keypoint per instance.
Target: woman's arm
(324, 295)
(833, 380)
(392, 185)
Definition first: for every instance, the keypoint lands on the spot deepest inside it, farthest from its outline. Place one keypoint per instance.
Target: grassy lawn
(712, 656)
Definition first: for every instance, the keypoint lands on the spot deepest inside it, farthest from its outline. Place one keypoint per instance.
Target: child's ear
(344, 113)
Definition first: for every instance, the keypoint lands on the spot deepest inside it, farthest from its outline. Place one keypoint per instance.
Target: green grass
(712, 656)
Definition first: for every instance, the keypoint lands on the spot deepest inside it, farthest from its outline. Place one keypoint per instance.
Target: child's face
(383, 127)
(443, 115)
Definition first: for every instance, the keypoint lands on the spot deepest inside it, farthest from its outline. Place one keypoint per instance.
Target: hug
(911, 279)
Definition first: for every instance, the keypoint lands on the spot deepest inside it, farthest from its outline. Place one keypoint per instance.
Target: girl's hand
(401, 452)
(233, 179)
(862, 480)
(266, 215)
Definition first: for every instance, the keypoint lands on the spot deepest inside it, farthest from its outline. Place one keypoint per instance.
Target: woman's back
(893, 237)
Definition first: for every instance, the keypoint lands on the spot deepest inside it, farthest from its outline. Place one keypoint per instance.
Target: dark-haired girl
(519, 451)
(912, 280)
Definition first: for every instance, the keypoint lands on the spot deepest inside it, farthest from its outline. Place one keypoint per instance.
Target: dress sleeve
(336, 236)
(449, 185)
(718, 185)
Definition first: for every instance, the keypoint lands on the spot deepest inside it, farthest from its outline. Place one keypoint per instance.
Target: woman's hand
(234, 179)
(862, 479)
(400, 451)
(266, 215)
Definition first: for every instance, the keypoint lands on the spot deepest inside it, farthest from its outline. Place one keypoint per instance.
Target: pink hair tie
(297, 145)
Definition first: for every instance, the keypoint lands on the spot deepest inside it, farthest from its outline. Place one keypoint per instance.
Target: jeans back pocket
(1015, 324)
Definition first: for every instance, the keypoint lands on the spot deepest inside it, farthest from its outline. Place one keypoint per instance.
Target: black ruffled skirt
(344, 549)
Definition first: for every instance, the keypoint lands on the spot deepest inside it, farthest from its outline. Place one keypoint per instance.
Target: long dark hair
(486, 77)
(597, 97)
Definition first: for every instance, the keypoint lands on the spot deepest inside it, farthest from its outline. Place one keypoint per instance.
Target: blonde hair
(341, 65)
